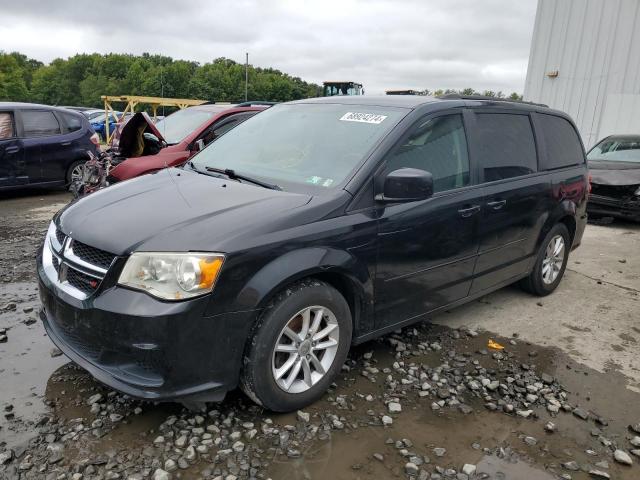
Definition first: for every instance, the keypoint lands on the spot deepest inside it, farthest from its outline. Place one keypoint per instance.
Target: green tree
(12, 82)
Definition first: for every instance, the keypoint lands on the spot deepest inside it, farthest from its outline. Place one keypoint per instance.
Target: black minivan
(314, 225)
(42, 145)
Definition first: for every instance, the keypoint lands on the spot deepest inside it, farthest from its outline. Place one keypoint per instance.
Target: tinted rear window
(72, 122)
(563, 145)
(39, 123)
(506, 146)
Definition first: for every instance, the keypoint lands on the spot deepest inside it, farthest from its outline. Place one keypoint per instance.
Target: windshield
(178, 125)
(314, 145)
(617, 149)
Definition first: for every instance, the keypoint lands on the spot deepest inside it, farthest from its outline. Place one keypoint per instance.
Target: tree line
(83, 78)
(471, 91)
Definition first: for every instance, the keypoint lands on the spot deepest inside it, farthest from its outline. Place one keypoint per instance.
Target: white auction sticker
(363, 117)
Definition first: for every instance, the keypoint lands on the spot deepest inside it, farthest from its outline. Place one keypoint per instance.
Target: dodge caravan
(313, 226)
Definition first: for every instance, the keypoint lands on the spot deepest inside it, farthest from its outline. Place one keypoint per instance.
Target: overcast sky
(383, 44)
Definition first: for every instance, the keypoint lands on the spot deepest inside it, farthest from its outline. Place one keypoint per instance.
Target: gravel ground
(432, 401)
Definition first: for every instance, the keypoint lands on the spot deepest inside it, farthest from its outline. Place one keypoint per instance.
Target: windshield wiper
(236, 176)
(197, 170)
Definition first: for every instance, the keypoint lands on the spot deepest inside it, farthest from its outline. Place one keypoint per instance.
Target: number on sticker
(363, 117)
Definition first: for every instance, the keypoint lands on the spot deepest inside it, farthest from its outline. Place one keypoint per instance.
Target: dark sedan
(42, 145)
(614, 164)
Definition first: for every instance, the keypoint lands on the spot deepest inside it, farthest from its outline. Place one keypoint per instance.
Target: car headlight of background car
(172, 276)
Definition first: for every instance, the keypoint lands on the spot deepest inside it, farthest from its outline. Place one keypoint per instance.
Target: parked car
(312, 226)
(77, 109)
(614, 165)
(142, 146)
(97, 119)
(42, 145)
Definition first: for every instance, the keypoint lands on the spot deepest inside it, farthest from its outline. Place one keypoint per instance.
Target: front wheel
(550, 263)
(298, 347)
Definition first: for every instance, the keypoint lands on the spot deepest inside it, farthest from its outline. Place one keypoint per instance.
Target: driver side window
(439, 146)
(219, 129)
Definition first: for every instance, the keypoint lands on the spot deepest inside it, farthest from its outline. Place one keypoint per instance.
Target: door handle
(11, 149)
(65, 144)
(469, 211)
(496, 204)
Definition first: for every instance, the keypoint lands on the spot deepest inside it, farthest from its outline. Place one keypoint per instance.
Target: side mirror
(198, 145)
(406, 185)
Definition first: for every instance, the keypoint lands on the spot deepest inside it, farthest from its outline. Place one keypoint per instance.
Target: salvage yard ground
(433, 401)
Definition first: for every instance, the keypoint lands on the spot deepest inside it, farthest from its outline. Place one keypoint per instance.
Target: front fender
(324, 262)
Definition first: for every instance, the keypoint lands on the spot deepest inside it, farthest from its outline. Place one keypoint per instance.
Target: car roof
(213, 107)
(624, 136)
(402, 101)
(415, 101)
(31, 106)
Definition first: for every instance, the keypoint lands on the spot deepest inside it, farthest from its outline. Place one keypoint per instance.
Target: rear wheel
(75, 171)
(550, 263)
(298, 347)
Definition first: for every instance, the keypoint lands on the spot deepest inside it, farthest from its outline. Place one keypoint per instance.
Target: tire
(70, 171)
(547, 274)
(262, 364)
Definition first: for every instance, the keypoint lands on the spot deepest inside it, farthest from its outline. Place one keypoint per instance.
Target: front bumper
(145, 347)
(614, 207)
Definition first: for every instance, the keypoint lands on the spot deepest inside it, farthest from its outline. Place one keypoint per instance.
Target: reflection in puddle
(25, 363)
(500, 469)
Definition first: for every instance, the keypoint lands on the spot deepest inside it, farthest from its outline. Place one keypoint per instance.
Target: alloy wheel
(77, 172)
(553, 259)
(305, 349)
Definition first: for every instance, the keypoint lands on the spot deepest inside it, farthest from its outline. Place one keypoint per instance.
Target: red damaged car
(139, 146)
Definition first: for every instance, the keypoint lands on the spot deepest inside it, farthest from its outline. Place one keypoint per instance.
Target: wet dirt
(44, 399)
(465, 437)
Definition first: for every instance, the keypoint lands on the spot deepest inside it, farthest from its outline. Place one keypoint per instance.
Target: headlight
(637, 192)
(172, 276)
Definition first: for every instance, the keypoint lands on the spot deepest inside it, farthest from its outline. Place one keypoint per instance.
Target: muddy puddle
(493, 442)
(26, 364)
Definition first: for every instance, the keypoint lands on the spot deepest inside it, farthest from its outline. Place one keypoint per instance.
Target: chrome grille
(76, 268)
(60, 236)
(92, 255)
(81, 281)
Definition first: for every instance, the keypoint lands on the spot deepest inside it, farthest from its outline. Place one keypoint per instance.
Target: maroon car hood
(126, 132)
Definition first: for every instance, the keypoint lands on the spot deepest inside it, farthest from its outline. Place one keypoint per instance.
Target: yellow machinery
(133, 100)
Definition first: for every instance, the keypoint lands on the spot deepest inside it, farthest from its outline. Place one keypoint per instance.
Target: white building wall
(594, 45)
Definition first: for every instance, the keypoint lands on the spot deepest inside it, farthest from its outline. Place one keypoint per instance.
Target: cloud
(383, 44)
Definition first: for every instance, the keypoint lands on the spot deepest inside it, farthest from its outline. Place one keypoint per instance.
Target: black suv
(42, 145)
(312, 226)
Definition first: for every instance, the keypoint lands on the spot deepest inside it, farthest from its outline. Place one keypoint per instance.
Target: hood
(614, 173)
(129, 133)
(176, 210)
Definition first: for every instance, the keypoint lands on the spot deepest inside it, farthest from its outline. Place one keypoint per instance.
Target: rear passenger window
(72, 123)
(506, 147)
(563, 145)
(39, 123)
(6, 125)
(437, 145)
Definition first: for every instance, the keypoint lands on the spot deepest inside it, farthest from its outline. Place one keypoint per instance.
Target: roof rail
(457, 96)
(256, 103)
